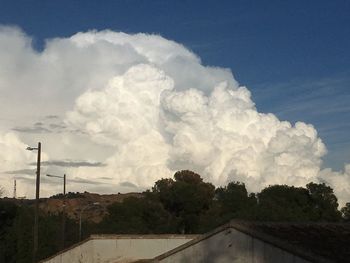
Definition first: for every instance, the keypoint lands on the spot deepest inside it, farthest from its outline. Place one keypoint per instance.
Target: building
(119, 248)
(267, 242)
(244, 242)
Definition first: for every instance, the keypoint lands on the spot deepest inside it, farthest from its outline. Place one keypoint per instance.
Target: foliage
(325, 203)
(316, 202)
(136, 216)
(185, 199)
(2, 191)
(346, 212)
(235, 201)
(69, 195)
(8, 212)
(184, 204)
(284, 203)
(16, 233)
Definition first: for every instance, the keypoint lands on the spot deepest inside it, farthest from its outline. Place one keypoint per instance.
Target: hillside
(75, 202)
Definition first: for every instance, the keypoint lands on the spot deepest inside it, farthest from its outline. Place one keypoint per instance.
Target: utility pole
(37, 193)
(37, 196)
(14, 189)
(64, 184)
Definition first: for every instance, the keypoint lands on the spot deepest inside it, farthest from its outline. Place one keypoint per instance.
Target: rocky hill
(91, 206)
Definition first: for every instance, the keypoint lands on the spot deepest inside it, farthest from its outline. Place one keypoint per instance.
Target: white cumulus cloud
(146, 106)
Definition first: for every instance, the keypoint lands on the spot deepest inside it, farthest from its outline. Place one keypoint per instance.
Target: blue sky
(294, 56)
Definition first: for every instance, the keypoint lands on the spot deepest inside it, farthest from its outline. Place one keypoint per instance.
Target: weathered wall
(83, 253)
(231, 245)
(108, 250)
(119, 249)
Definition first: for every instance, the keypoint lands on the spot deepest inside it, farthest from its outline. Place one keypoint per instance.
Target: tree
(346, 212)
(284, 203)
(8, 212)
(325, 203)
(186, 198)
(235, 201)
(23, 233)
(316, 202)
(137, 216)
(2, 191)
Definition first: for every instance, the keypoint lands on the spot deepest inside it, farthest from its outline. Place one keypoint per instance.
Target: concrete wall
(231, 245)
(82, 253)
(112, 249)
(124, 250)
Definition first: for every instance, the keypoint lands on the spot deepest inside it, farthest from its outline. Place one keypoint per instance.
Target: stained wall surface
(231, 245)
(82, 253)
(119, 249)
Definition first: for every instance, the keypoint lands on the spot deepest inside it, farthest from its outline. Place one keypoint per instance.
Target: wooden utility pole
(14, 189)
(36, 216)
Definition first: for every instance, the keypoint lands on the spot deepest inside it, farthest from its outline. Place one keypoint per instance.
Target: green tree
(137, 216)
(284, 203)
(8, 212)
(325, 203)
(49, 235)
(2, 191)
(235, 201)
(212, 218)
(186, 198)
(346, 212)
(316, 202)
(23, 231)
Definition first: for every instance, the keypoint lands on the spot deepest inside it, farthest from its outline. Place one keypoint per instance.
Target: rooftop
(317, 242)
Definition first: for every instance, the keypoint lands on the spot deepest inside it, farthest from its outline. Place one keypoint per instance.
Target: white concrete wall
(83, 253)
(119, 249)
(231, 245)
(125, 250)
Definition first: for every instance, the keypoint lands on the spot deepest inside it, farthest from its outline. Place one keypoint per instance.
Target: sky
(61, 71)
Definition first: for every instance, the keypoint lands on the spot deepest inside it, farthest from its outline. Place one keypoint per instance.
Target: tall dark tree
(325, 203)
(186, 198)
(23, 231)
(284, 203)
(137, 216)
(235, 201)
(8, 212)
(346, 212)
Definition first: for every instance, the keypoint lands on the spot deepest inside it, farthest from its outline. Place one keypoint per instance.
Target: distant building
(244, 242)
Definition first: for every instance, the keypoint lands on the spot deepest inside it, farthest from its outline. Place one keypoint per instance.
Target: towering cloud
(12, 156)
(147, 106)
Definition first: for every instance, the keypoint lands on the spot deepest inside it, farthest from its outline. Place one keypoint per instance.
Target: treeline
(184, 204)
(16, 233)
(188, 205)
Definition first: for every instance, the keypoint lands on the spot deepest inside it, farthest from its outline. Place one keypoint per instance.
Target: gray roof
(316, 242)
